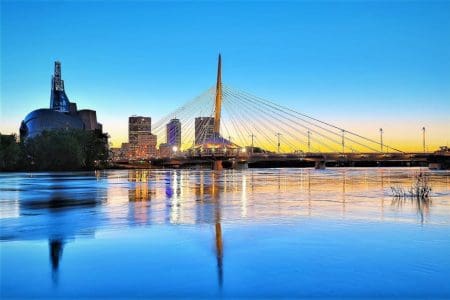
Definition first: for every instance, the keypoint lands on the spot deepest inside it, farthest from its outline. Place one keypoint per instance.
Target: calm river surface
(235, 233)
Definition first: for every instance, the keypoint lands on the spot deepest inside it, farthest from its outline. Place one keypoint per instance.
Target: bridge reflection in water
(81, 204)
(206, 190)
(194, 196)
(277, 195)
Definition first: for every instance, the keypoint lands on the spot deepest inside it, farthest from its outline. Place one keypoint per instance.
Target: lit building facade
(204, 129)
(121, 154)
(138, 125)
(142, 143)
(146, 146)
(165, 150)
(173, 134)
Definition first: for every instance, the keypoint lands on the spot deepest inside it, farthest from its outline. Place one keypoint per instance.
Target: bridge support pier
(217, 165)
(320, 165)
(437, 166)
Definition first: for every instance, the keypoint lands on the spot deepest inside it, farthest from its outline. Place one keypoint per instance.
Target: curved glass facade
(62, 113)
(47, 119)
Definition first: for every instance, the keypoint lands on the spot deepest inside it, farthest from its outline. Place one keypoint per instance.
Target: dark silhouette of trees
(55, 150)
(10, 152)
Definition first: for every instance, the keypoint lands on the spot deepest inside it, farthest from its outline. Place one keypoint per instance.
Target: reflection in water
(56, 250)
(206, 190)
(58, 207)
(244, 196)
(218, 227)
(192, 196)
(64, 206)
(219, 252)
(140, 195)
(422, 205)
(62, 191)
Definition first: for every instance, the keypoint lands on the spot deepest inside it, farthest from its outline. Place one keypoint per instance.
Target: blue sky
(361, 65)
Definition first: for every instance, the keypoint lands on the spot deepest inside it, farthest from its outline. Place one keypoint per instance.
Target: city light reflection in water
(229, 233)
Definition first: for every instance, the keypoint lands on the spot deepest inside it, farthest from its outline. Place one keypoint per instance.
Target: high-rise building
(142, 142)
(152, 141)
(173, 134)
(138, 125)
(204, 129)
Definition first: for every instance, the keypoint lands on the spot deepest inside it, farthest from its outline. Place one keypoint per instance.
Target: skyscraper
(204, 129)
(174, 133)
(138, 125)
(142, 141)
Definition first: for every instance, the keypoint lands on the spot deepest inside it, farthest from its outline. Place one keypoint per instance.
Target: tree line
(55, 150)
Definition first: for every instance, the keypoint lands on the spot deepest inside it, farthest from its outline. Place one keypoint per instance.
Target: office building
(204, 129)
(138, 125)
(142, 143)
(173, 133)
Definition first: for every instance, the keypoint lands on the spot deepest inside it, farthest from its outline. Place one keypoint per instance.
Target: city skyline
(224, 149)
(392, 72)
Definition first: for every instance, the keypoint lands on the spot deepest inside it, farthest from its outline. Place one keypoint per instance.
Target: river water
(234, 233)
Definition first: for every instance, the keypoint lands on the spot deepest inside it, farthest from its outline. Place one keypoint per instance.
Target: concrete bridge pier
(217, 165)
(319, 165)
(241, 165)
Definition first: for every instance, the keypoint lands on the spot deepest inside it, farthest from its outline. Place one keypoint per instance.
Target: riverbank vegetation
(56, 150)
(420, 189)
(418, 194)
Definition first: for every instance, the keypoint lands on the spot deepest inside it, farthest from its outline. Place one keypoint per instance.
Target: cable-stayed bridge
(237, 125)
(248, 120)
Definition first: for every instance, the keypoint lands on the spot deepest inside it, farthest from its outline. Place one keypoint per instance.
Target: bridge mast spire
(218, 106)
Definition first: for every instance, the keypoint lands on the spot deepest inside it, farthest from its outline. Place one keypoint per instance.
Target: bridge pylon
(218, 104)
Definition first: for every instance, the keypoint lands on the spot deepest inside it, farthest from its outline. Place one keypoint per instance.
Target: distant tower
(173, 134)
(218, 106)
(58, 97)
(423, 139)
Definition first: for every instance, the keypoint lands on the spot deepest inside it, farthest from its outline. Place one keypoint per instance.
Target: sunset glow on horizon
(360, 66)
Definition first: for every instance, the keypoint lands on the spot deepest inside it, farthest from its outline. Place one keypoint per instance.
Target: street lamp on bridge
(423, 139)
(252, 136)
(278, 145)
(309, 141)
(381, 139)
